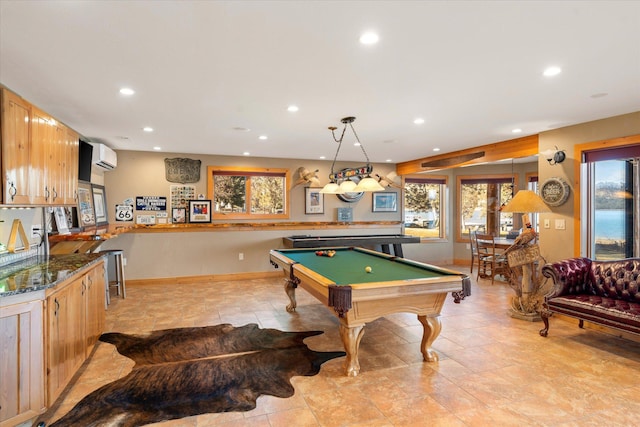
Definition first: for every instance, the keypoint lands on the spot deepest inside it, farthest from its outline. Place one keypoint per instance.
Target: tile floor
(493, 370)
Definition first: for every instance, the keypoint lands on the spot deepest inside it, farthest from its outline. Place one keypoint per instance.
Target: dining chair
(490, 261)
(476, 254)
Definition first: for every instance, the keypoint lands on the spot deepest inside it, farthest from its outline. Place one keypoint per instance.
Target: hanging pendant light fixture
(340, 182)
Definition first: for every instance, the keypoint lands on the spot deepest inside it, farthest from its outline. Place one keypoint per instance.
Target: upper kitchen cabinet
(39, 156)
(15, 122)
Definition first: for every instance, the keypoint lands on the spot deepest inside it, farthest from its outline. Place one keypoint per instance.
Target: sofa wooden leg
(581, 324)
(545, 314)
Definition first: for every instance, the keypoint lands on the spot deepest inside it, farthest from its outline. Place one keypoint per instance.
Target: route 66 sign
(124, 213)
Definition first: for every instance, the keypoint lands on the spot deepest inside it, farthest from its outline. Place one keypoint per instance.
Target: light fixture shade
(331, 188)
(526, 201)
(368, 184)
(348, 186)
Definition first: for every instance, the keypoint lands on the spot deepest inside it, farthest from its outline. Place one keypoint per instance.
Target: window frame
(248, 172)
(513, 178)
(443, 181)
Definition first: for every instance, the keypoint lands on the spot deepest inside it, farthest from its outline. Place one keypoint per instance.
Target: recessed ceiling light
(356, 144)
(147, 129)
(552, 71)
(599, 95)
(246, 153)
(388, 160)
(517, 130)
(263, 137)
(436, 149)
(127, 91)
(241, 129)
(369, 38)
(157, 148)
(323, 157)
(292, 108)
(122, 137)
(419, 121)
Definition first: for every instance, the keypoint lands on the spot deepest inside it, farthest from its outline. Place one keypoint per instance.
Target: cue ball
(367, 269)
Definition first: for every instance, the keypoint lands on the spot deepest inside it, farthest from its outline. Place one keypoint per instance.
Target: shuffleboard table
(343, 283)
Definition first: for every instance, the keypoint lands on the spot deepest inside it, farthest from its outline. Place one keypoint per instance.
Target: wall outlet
(36, 231)
(547, 223)
(240, 256)
(124, 262)
(468, 246)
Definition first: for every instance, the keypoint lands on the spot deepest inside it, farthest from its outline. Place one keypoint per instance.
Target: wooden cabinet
(22, 369)
(75, 314)
(95, 306)
(39, 155)
(15, 122)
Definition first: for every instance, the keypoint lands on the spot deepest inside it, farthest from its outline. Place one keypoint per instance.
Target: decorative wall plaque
(182, 170)
(555, 191)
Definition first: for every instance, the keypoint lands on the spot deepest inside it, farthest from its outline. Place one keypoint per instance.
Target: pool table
(394, 285)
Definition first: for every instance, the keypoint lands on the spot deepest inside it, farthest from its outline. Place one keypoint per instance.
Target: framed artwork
(199, 210)
(385, 202)
(62, 225)
(86, 213)
(313, 201)
(100, 204)
(179, 215)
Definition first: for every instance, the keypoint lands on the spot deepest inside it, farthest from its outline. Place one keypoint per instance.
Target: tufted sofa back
(617, 279)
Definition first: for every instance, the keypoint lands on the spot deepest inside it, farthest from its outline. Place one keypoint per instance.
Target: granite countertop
(40, 272)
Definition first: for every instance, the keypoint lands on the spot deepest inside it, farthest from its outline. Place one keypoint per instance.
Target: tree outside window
(480, 200)
(424, 207)
(248, 193)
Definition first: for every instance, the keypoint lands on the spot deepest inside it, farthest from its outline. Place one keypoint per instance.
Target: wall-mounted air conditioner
(104, 157)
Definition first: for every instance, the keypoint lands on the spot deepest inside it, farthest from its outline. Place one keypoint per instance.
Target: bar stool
(118, 283)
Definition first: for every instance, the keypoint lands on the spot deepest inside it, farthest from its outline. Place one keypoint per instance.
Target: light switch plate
(560, 224)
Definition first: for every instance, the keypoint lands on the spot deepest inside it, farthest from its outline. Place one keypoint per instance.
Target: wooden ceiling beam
(511, 149)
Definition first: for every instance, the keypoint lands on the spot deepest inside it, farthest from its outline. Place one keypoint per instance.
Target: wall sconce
(340, 182)
(554, 156)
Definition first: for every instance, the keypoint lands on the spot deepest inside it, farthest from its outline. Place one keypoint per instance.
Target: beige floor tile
(492, 370)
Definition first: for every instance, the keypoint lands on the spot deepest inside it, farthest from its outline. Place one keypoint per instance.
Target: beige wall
(159, 255)
(559, 244)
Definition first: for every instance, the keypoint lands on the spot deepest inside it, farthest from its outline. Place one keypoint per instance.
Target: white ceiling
(472, 70)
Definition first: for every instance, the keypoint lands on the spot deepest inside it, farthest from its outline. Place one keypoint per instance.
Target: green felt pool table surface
(347, 266)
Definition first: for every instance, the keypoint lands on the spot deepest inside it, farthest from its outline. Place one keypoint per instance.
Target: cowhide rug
(191, 371)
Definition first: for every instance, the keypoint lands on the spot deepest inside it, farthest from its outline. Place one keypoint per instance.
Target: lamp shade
(368, 184)
(348, 186)
(331, 188)
(526, 201)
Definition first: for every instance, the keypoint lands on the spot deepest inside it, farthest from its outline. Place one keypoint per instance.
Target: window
(480, 199)
(612, 205)
(532, 184)
(248, 193)
(424, 203)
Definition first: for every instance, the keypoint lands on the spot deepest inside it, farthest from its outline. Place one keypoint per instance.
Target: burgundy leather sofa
(602, 292)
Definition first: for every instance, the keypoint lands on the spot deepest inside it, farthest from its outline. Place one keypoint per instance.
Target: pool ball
(367, 269)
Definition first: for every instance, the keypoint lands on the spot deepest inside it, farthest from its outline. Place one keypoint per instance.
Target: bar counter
(39, 273)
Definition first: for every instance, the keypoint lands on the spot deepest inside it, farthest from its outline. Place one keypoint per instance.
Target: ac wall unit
(104, 157)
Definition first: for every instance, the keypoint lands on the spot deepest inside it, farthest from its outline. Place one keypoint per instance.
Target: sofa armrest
(570, 276)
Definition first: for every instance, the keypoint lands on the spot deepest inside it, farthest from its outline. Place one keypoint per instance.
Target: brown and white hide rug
(190, 371)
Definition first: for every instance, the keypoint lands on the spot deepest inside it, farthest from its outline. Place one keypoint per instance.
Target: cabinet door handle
(55, 312)
(46, 193)
(90, 281)
(12, 190)
(55, 194)
(84, 286)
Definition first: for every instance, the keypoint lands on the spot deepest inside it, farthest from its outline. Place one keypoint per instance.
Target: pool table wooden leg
(351, 339)
(432, 327)
(290, 289)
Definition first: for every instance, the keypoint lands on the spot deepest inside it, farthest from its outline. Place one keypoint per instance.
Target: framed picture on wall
(199, 211)
(385, 202)
(100, 204)
(179, 215)
(313, 201)
(86, 212)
